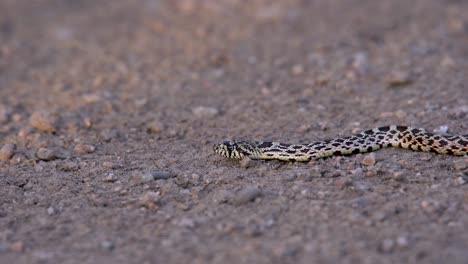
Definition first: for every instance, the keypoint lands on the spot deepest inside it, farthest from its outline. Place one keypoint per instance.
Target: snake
(405, 137)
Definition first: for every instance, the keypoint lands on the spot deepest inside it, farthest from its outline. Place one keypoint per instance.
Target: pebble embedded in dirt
(360, 62)
(107, 245)
(7, 151)
(110, 178)
(45, 154)
(441, 130)
(43, 121)
(162, 175)
(402, 241)
(297, 69)
(155, 127)
(246, 195)
(146, 177)
(205, 112)
(398, 175)
(368, 160)
(67, 166)
(109, 165)
(50, 211)
(398, 78)
(84, 148)
(460, 164)
(461, 180)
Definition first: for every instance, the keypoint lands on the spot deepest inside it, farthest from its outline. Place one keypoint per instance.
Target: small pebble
(196, 177)
(67, 166)
(50, 211)
(162, 175)
(246, 195)
(24, 132)
(87, 122)
(45, 154)
(460, 164)
(441, 130)
(297, 69)
(461, 180)
(368, 160)
(398, 78)
(360, 62)
(155, 127)
(43, 121)
(109, 165)
(146, 177)
(205, 112)
(110, 178)
(402, 241)
(107, 245)
(7, 151)
(398, 175)
(182, 181)
(84, 148)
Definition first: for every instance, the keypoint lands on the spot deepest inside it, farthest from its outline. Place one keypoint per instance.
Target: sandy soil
(114, 107)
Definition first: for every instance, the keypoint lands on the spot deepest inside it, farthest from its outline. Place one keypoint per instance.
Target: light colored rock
(7, 151)
(45, 154)
(84, 148)
(205, 112)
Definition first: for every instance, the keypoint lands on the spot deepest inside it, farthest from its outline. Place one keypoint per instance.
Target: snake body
(416, 139)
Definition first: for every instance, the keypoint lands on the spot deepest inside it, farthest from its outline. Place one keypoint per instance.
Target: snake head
(235, 149)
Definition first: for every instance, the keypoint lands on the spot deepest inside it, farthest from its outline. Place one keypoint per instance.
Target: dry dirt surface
(109, 111)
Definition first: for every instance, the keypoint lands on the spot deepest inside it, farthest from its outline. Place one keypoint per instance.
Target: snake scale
(416, 139)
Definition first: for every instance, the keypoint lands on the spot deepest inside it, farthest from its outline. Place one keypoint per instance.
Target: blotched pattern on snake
(416, 139)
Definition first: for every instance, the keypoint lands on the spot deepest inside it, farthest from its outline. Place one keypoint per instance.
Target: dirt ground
(114, 107)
